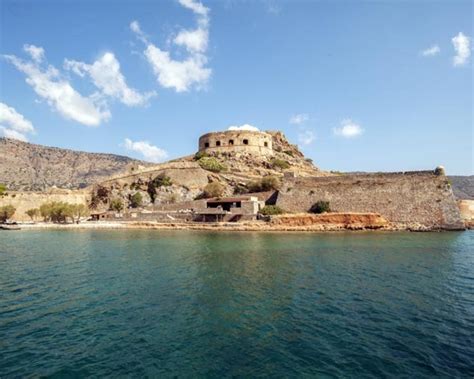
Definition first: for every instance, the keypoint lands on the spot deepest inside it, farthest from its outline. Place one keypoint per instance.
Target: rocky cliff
(28, 167)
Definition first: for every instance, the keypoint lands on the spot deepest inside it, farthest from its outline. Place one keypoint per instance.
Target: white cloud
(461, 44)
(348, 129)
(194, 40)
(299, 119)
(244, 127)
(10, 133)
(106, 75)
(195, 6)
(60, 95)
(13, 124)
(10, 117)
(37, 53)
(182, 75)
(306, 136)
(150, 152)
(431, 51)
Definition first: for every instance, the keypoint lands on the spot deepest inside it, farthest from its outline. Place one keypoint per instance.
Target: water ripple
(188, 304)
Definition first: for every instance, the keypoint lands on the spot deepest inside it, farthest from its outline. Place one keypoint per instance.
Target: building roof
(231, 199)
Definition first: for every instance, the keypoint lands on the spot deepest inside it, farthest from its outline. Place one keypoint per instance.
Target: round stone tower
(237, 141)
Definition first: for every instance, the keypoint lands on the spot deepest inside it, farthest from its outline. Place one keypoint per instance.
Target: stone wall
(237, 141)
(23, 201)
(466, 207)
(408, 198)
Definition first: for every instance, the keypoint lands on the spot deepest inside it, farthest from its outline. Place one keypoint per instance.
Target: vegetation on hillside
(213, 189)
(211, 164)
(116, 205)
(277, 163)
(320, 206)
(160, 181)
(136, 200)
(267, 183)
(271, 210)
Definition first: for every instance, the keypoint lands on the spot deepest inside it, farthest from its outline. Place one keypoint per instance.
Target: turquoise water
(198, 304)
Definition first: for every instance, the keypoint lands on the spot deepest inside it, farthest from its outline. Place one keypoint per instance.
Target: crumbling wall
(420, 197)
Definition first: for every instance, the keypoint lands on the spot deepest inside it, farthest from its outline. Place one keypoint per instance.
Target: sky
(359, 86)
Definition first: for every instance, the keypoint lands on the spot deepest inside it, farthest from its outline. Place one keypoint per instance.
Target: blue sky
(359, 86)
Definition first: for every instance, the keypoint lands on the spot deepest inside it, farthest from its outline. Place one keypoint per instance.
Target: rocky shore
(282, 224)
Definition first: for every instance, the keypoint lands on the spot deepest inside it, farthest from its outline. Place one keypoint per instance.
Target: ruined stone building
(237, 141)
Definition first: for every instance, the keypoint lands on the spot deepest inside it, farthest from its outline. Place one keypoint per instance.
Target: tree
(6, 212)
(76, 211)
(33, 213)
(136, 200)
(57, 211)
(116, 205)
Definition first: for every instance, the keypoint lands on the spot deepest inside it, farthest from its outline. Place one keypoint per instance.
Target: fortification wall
(23, 201)
(409, 198)
(237, 141)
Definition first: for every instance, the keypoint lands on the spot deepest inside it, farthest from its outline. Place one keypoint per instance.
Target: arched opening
(206, 144)
(218, 143)
(231, 142)
(265, 144)
(245, 141)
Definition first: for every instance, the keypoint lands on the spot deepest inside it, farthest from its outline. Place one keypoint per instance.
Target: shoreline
(255, 226)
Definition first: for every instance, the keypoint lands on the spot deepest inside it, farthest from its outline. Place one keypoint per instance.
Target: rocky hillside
(463, 187)
(25, 166)
(205, 175)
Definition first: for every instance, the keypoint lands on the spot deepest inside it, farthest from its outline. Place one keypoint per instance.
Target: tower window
(246, 141)
(265, 144)
(231, 142)
(218, 143)
(206, 144)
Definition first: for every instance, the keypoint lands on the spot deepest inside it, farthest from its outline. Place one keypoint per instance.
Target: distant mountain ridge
(463, 187)
(26, 166)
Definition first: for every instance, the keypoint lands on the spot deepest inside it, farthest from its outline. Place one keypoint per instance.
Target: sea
(195, 304)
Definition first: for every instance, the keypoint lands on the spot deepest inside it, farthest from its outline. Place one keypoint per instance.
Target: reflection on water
(236, 304)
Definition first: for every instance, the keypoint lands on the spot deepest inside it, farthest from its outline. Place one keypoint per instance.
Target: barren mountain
(463, 187)
(26, 166)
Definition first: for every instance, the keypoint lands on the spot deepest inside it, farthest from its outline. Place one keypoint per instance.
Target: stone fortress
(237, 141)
(417, 200)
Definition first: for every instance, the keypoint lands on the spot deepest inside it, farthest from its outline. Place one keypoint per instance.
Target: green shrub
(3, 189)
(116, 205)
(200, 154)
(279, 163)
(320, 206)
(270, 210)
(289, 152)
(268, 183)
(136, 200)
(6, 212)
(213, 189)
(160, 181)
(211, 164)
